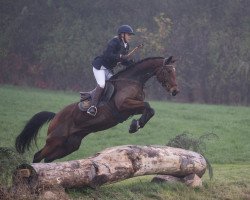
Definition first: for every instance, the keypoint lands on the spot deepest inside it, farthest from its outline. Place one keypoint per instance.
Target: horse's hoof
(134, 126)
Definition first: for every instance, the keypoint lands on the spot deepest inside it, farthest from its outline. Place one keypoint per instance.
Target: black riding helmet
(125, 29)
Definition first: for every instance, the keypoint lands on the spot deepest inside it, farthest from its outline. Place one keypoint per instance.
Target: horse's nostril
(175, 92)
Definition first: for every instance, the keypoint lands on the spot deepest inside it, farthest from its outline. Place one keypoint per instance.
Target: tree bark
(112, 165)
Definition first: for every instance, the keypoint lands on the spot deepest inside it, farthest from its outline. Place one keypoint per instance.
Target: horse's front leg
(147, 114)
(137, 107)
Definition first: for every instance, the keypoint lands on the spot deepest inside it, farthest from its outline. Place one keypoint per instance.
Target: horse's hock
(112, 165)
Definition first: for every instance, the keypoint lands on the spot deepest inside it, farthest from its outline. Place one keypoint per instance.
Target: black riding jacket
(111, 56)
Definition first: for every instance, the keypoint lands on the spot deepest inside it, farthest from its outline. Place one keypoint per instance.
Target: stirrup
(92, 110)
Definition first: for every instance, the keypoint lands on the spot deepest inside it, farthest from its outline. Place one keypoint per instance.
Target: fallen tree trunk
(112, 165)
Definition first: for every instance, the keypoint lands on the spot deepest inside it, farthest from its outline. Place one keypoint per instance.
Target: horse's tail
(31, 129)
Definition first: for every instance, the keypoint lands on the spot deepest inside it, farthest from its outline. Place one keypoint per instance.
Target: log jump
(112, 165)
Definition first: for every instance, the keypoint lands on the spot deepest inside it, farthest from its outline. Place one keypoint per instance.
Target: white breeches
(102, 75)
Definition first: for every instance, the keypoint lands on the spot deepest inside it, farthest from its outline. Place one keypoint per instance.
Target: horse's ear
(169, 60)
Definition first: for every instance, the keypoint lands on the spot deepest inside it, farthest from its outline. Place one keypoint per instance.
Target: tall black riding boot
(96, 97)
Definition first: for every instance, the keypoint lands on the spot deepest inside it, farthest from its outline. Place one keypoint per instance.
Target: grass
(229, 154)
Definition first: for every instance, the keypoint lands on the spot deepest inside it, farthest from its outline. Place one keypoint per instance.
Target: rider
(116, 51)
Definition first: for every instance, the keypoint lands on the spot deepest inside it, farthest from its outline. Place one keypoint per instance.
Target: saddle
(86, 97)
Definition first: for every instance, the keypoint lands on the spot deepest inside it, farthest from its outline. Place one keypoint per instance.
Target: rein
(127, 80)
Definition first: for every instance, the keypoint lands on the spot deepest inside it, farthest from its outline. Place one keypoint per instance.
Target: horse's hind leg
(40, 155)
(37, 157)
(70, 145)
(50, 146)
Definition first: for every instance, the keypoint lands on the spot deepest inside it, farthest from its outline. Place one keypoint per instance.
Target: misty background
(51, 44)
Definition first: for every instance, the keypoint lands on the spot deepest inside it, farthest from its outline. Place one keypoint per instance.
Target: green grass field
(229, 154)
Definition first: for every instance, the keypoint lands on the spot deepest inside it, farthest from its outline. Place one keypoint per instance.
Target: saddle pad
(84, 105)
(85, 101)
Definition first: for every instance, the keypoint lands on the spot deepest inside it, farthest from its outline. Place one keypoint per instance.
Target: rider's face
(127, 37)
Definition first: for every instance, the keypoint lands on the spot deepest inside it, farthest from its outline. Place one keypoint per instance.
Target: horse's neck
(142, 71)
(148, 69)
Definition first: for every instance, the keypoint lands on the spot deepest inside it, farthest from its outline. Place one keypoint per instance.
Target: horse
(69, 126)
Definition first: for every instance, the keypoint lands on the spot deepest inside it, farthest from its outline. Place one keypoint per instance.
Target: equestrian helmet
(125, 29)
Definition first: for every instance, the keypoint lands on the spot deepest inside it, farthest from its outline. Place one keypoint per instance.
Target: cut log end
(24, 173)
(25, 176)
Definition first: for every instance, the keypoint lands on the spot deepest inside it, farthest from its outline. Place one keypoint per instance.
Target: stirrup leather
(92, 110)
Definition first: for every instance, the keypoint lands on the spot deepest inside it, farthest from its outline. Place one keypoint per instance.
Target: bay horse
(69, 126)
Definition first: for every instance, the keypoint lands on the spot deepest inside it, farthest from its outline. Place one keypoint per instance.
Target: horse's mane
(132, 66)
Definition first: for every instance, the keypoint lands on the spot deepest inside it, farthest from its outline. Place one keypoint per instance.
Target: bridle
(161, 74)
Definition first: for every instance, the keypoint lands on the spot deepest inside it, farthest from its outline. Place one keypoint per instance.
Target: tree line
(51, 43)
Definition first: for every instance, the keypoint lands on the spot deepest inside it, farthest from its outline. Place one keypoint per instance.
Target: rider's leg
(100, 76)
(100, 79)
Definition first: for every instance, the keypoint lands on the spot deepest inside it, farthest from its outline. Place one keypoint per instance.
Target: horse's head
(166, 75)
